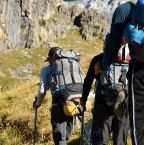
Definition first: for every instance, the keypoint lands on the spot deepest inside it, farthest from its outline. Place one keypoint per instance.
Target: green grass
(14, 59)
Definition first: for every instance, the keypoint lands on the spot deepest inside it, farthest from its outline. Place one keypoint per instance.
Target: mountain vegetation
(19, 86)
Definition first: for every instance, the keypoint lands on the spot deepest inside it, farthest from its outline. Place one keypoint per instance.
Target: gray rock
(23, 73)
(30, 23)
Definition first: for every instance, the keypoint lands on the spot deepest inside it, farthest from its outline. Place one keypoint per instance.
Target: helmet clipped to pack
(134, 31)
(70, 108)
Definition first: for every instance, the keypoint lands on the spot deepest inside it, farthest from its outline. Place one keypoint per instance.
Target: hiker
(58, 76)
(105, 121)
(128, 20)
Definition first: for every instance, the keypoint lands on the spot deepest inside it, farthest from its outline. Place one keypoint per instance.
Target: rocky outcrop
(92, 25)
(104, 7)
(23, 73)
(20, 21)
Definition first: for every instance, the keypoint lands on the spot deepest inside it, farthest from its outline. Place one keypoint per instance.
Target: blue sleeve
(45, 79)
(121, 17)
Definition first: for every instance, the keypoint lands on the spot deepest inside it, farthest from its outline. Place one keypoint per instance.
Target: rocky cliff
(30, 23)
(20, 21)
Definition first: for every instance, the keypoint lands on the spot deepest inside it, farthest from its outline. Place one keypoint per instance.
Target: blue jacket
(45, 83)
(46, 80)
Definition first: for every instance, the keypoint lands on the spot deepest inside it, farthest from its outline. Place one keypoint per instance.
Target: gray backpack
(67, 77)
(114, 78)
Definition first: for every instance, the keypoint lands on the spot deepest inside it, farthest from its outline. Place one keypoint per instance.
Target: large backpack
(118, 70)
(114, 81)
(67, 77)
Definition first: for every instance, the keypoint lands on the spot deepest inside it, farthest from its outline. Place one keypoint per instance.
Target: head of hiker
(134, 31)
(51, 53)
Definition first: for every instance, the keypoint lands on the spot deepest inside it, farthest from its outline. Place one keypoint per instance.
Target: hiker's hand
(35, 106)
(83, 104)
(97, 69)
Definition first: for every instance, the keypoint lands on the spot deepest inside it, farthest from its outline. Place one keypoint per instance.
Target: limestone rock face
(29, 23)
(20, 21)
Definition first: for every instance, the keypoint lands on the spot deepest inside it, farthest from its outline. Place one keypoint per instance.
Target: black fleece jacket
(120, 19)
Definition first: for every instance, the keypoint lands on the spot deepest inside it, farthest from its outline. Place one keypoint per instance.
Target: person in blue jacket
(62, 124)
(128, 20)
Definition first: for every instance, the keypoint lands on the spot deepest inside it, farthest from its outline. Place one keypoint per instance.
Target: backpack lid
(64, 53)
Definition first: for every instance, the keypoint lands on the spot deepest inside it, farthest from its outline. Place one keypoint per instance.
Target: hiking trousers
(105, 123)
(62, 125)
(136, 101)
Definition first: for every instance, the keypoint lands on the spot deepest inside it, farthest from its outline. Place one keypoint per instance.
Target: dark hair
(51, 52)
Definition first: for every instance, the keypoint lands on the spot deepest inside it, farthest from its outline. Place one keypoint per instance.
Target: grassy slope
(16, 112)
(16, 99)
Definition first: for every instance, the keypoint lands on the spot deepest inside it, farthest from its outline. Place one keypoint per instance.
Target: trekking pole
(113, 76)
(93, 112)
(35, 119)
(82, 126)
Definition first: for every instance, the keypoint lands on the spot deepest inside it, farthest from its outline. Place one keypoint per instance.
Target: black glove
(110, 95)
(83, 103)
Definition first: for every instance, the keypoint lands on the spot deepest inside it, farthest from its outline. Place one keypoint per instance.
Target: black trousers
(62, 125)
(105, 122)
(136, 101)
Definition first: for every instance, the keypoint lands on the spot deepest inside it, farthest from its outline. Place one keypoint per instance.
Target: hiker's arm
(89, 78)
(120, 18)
(40, 98)
(87, 84)
(44, 85)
